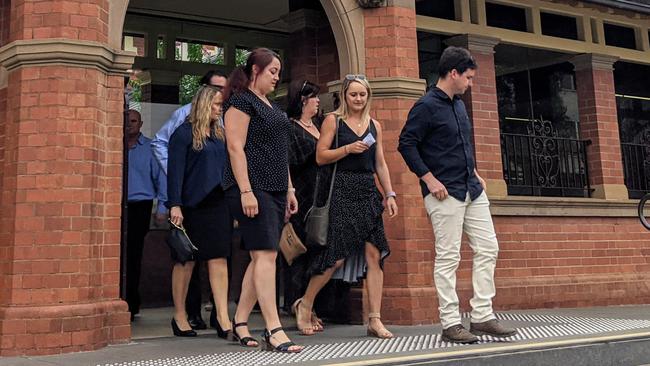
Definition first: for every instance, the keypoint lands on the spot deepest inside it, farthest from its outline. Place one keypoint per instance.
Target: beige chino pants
(449, 218)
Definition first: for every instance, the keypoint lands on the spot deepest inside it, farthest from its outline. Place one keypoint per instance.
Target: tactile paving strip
(554, 326)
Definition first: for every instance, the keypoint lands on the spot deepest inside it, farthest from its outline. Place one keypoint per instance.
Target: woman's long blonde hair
(343, 111)
(200, 118)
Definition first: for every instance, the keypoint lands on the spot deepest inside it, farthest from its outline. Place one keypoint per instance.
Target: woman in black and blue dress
(197, 156)
(356, 242)
(302, 110)
(258, 188)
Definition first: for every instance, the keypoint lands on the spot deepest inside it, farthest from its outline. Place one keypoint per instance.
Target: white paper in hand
(369, 140)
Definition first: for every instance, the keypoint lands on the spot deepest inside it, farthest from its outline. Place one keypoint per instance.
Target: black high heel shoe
(284, 347)
(182, 333)
(225, 334)
(242, 341)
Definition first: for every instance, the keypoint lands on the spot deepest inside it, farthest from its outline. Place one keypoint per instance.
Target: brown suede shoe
(492, 328)
(458, 334)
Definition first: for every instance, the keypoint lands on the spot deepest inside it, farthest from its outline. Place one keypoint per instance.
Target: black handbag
(317, 218)
(180, 245)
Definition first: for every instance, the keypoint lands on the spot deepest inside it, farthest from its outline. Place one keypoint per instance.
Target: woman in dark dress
(302, 110)
(197, 156)
(258, 188)
(356, 242)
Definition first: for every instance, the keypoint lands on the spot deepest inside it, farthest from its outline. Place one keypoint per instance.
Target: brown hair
(241, 77)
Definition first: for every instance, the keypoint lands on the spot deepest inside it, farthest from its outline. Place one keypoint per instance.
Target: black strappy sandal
(242, 341)
(284, 347)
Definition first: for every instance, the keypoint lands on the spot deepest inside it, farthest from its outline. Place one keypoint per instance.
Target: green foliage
(187, 87)
(241, 55)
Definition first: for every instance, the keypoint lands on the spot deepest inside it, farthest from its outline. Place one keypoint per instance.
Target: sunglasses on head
(303, 87)
(355, 77)
(216, 87)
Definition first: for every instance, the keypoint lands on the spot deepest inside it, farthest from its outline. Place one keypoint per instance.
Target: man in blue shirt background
(160, 146)
(146, 182)
(436, 145)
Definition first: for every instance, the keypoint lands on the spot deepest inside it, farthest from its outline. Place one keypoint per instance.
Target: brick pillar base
(48, 329)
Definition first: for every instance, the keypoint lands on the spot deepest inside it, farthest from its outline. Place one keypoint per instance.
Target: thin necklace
(306, 124)
(262, 97)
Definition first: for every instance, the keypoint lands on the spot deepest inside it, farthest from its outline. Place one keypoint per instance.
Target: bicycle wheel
(644, 213)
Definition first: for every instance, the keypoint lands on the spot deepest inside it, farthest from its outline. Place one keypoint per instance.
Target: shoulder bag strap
(329, 196)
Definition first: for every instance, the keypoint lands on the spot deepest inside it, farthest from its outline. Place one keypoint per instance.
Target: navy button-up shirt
(192, 174)
(436, 139)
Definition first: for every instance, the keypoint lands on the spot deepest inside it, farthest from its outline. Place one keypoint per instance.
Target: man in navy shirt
(160, 146)
(146, 182)
(436, 145)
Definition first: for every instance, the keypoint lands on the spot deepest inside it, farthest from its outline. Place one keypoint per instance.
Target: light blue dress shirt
(146, 180)
(160, 143)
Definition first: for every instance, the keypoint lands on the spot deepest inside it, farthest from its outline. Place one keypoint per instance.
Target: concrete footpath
(591, 337)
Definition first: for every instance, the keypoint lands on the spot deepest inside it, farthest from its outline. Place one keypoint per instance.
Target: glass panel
(161, 48)
(556, 25)
(619, 36)
(430, 47)
(187, 87)
(134, 43)
(192, 51)
(508, 17)
(538, 117)
(444, 9)
(633, 110)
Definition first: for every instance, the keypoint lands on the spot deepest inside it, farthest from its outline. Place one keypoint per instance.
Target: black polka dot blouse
(267, 143)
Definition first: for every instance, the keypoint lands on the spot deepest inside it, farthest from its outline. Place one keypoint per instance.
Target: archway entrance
(176, 44)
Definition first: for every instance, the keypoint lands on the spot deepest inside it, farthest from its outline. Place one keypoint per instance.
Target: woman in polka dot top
(258, 188)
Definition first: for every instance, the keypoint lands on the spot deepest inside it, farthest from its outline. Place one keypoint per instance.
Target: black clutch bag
(180, 245)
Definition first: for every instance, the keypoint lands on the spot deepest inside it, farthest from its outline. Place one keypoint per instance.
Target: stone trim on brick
(65, 52)
(3, 77)
(562, 207)
(474, 43)
(593, 61)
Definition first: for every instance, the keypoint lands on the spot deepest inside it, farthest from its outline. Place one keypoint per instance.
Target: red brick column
(314, 55)
(481, 102)
(61, 182)
(5, 10)
(392, 68)
(599, 123)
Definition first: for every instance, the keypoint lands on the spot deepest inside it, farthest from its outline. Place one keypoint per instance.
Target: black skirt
(355, 219)
(261, 232)
(209, 226)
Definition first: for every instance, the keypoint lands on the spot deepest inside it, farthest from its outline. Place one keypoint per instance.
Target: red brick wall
(314, 55)
(391, 42)
(60, 228)
(547, 262)
(599, 123)
(70, 19)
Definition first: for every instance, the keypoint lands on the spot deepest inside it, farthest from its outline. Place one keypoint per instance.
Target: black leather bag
(317, 218)
(180, 245)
